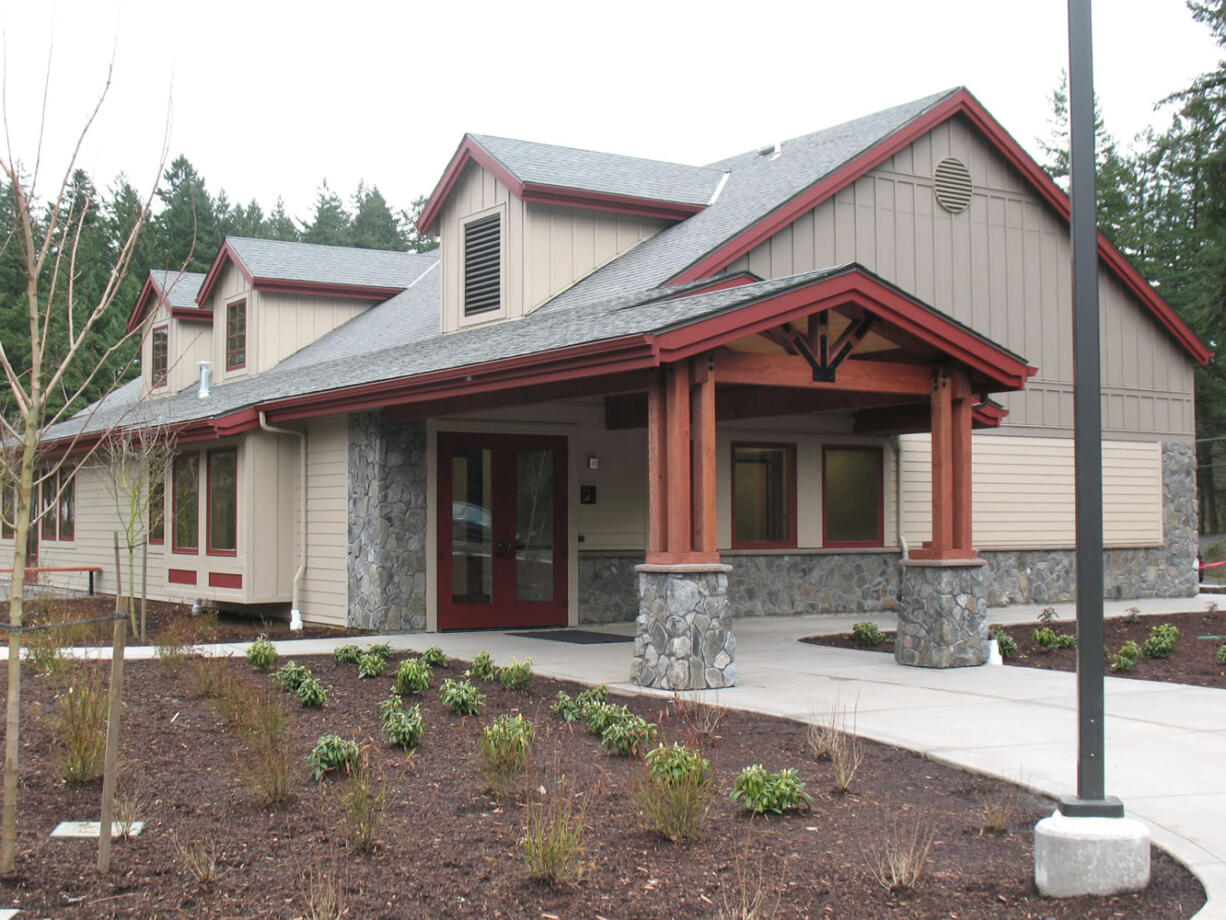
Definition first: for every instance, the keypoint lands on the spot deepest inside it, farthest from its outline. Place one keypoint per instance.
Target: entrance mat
(575, 636)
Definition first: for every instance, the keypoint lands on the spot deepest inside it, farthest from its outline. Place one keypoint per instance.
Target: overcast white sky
(271, 98)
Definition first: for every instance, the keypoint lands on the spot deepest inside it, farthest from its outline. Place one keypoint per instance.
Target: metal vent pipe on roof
(206, 379)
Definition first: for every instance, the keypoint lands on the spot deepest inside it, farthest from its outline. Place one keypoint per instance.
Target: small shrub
(998, 809)
(867, 634)
(199, 857)
(290, 676)
(44, 648)
(172, 647)
(763, 791)
(413, 676)
(483, 667)
(79, 726)
(402, 727)
(599, 715)
(505, 744)
(1126, 657)
(311, 693)
(270, 766)
(434, 657)
(462, 696)
(1047, 638)
(380, 650)
(332, 752)
(628, 734)
(1004, 643)
(371, 665)
(133, 802)
(346, 654)
(676, 794)
(363, 805)
(517, 675)
(232, 703)
(1221, 654)
(1066, 640)
(324, 893)
(1161, 641)
(834, 738)
(1132, 615)
(701, 717)
(1048, 616)
(261, 654)
(574, 710)
(899, 861)
(551, 849)
(206, 678)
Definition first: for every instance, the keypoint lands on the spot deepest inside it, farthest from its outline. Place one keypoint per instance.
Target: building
(774, 363)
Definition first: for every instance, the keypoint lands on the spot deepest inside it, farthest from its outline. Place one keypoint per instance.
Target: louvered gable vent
(482, 265)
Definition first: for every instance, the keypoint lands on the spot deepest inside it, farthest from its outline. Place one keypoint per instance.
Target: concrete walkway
(1166, 743)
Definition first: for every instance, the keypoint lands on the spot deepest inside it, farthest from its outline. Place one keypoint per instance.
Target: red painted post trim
(181, 576)
(225, 580)
(789, 449)
(702, 412)
(865, 448)
(677, 413)
(942, 464)
(208, 504)
(657, 465)
(961, 424)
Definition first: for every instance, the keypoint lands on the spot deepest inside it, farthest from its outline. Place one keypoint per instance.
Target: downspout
(898, 512)
(295, 613)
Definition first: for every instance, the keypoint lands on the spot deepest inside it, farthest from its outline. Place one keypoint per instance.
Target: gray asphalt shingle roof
(178, 289)
(275, 260)
(608, 173)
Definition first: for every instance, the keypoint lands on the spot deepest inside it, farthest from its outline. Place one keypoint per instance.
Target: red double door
(501, 531)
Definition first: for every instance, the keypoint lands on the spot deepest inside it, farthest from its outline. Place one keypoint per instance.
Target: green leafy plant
(332, 752)
(1048, 638)
(483, 667)
(289, 676)
(1004, 643)
(763, 791)
(434, 657)
(462, 696)
(575, 709)
(505, 744)
(371, 665)
(311, 693)
(866, 633)
(551, 849)
(400, 726)
(79, 725)
(379, 650)
(363, 804)
(1161, 641)
(261, 654)
(270, 765)
(347, 654)
(1126, 657)
(413, 676)
(628, 735)
(599, 715)
(675, 796)
(1132, 615)
(1221, 654)
(517, 675)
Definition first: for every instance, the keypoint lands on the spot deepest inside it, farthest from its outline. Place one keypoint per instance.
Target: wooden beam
(702, 423)
(942, 464)
(904, 419)
(677, 421)
(819, 329)
(780, 336)
(629, 410)
(518, 396)
(657, 465)
(960, 445)
(855, 374)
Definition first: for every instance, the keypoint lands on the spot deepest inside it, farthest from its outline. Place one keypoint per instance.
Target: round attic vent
(953, 185)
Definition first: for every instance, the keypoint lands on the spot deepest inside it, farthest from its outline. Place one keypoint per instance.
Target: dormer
(520, 222)
(175, 332)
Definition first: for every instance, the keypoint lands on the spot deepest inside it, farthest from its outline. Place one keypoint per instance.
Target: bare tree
(61, 322)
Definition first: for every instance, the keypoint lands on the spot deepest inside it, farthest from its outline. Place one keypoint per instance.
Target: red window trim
(155, 381)
(865, 448)
(230, 310)
(790, 448)
(208, 506)
(153, 510)
(174, 506)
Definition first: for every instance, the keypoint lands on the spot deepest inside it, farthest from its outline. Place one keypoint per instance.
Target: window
(58, 492)
(223, 502)
(68, 505)
(8, 513)
(763, 495)
(483, 265)
(236, 335)
(158, 367)
(185, 528)
(157, 506)
(852, 505)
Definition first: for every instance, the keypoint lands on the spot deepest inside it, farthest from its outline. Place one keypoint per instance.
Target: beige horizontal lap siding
(1002, 267)
(1023, 492)
(325, 586)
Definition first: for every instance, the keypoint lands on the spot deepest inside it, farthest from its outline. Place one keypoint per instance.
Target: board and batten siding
(545, 248)
(1003, 268)
(325, 585)
(187, 344)
(1023, 492)
(284, 323)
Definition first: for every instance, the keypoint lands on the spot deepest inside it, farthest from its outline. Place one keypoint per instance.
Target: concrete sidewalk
(1166, 743)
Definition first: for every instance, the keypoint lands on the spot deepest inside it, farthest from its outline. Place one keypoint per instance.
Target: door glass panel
(472, 504)
(534, 537)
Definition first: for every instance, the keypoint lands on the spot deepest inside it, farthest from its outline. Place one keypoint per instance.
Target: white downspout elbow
(295, 613)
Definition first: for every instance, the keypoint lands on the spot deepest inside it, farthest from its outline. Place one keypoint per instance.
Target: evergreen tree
(331, 224)
(374, 224)
(186, 233)
(279, 225)
(416, 241)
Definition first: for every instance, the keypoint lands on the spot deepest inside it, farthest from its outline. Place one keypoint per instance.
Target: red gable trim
(326, 289)
(470, 151)
(225, 256)
(192, 314)
(960, 103)
(148, 291)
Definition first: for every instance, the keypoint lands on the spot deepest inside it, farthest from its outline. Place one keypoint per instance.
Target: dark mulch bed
(449, 850)
(163, 618)
(1194, 661)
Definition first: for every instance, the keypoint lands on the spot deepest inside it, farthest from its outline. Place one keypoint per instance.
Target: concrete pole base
(1100, 856)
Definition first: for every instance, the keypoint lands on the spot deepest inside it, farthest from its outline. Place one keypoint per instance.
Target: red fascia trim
(988, 415)
(608, 201)
(181, 576)
(849, 286)
(325, 289)
(225, 580)
(224, 255)
(192, 314)
(469, 150)
(148, 290)
(960, 103)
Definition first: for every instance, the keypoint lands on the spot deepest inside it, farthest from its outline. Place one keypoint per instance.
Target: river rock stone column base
(1100, 856)
(684, 639)
(942, 615)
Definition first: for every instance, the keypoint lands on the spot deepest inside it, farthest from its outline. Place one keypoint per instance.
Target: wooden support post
(942, 465)
(702, 421)
(677, 414)
(111, 762)
(960, 438)
(657, 466)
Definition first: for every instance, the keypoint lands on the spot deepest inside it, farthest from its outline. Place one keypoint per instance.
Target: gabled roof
(580, 178)
(337, 271)
(175, 289)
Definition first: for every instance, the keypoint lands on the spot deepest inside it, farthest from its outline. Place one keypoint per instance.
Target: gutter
(295, 613)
